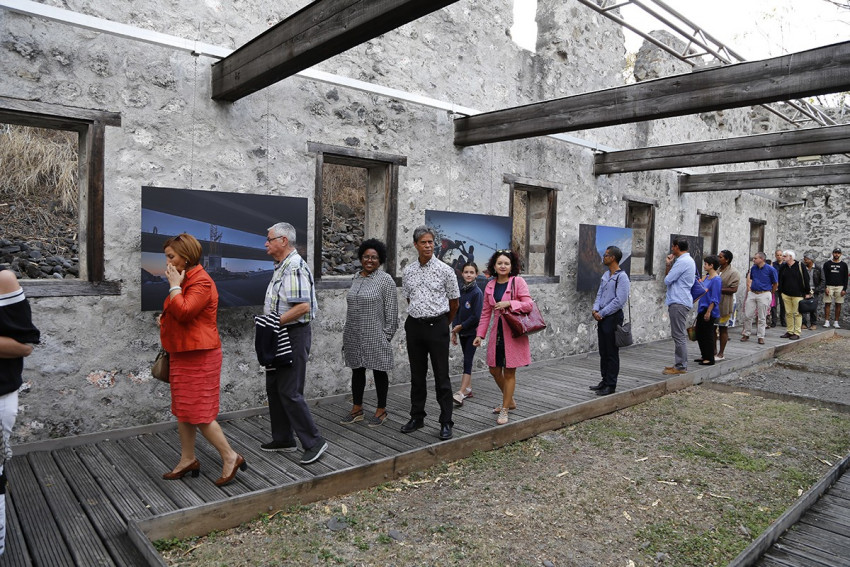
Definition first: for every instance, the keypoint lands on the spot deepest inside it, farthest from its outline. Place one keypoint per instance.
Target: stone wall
(91, 371)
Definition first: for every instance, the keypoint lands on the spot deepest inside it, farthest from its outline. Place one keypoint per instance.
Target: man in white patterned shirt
(430, 287)
(292, 295)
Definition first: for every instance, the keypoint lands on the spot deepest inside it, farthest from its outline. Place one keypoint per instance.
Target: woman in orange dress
(189, 334)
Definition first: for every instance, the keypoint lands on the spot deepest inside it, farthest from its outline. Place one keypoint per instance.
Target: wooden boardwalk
(99, 499)
(821, 537)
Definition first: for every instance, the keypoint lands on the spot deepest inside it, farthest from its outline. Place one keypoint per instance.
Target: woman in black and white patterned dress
(370, 323)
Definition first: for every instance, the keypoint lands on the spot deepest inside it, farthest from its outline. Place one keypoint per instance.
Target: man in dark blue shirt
(762, 281)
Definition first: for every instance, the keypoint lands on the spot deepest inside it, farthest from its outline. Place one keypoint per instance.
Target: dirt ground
(687, 479)
(819, 371)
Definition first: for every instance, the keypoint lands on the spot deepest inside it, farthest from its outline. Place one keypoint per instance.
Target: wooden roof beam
(808, 73)
(317, 32)
(762, 147)
(805, 176)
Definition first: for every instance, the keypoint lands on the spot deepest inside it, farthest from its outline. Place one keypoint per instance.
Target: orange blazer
(189, 318)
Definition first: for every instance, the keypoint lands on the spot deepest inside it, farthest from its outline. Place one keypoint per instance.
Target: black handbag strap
(628, 299)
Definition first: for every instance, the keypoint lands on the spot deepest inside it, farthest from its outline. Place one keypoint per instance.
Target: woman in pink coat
(504, 352)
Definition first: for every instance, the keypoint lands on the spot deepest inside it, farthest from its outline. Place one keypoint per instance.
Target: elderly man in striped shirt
(291, 294)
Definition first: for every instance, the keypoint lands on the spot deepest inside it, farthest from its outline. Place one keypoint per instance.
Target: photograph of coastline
(231, 228)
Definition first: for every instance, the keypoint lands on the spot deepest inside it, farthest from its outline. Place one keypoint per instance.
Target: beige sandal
(503, 417)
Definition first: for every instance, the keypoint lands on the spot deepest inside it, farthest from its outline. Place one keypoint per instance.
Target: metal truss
(699, 44)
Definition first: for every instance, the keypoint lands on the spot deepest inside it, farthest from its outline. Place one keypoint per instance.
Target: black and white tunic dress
(371, 321)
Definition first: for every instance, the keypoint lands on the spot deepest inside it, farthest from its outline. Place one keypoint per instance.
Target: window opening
(39, 202)
(640, 217)
(709, 230)
(756, 237)
(533, 211)
(356, 199)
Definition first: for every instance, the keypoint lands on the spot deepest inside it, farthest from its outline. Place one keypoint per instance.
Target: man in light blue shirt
(608, 312)
(681, 273)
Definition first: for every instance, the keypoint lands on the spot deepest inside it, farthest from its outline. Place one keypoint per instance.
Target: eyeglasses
(373, 258)
(269, 240)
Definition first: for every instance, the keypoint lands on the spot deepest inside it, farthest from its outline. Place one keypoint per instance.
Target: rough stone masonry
(91, 372)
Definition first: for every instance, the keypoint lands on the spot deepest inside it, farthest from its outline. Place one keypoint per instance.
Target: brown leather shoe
(794, 337)
(672, 371)
(761, 341)
(240, 464)
(745, 338)
(194, 467)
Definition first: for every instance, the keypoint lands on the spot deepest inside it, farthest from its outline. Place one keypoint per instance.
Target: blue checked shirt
(292, 282)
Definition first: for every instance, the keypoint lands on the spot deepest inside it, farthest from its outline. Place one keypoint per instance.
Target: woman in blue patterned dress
(370, 323)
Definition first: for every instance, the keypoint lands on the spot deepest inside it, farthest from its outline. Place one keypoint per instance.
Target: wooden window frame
(649, 260)
(388, 165)
(761, 224)
(715, 243)
(517, 183)
(90, 126)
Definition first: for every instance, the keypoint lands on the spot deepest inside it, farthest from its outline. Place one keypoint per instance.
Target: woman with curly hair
(505, 353)
(370, 323)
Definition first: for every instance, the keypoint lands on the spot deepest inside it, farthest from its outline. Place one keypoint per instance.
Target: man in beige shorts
(835, 277)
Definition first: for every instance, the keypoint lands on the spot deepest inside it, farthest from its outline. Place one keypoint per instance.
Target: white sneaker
(826, 324)
(836, 325)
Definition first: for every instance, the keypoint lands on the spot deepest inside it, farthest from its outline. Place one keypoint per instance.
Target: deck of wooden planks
(71, 501)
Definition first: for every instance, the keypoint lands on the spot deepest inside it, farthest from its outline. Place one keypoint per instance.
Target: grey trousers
(288, 411)
(678, 316)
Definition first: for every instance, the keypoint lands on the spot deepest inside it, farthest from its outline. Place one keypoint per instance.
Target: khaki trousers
(757, 305)
(793, 318)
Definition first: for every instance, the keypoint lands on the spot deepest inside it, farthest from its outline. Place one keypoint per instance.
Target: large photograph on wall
(232, 229)
(695, 244)
(467, 237)
(593, 239)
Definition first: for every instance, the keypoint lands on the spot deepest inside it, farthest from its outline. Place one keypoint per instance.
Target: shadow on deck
(99, 499)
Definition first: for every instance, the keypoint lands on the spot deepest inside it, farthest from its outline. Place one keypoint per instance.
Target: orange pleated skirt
(195, 378)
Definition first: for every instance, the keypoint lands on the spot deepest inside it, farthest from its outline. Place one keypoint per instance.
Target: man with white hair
(793, 287)
(292, 296)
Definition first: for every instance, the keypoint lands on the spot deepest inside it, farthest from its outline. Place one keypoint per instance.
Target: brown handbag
(159, 370)
(524, 323)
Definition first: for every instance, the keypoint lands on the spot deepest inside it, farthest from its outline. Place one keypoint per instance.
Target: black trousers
(429, 340)
(705, 336)
(358, 386)
(780, 306)
(609, 352)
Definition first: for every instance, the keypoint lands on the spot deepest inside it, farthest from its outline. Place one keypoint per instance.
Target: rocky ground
(37, 239)
(687, 479)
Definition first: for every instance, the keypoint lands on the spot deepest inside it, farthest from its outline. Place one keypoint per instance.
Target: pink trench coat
(517, 351)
